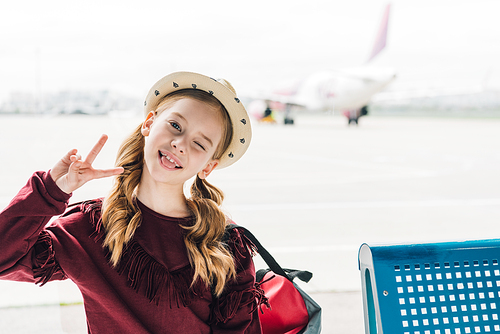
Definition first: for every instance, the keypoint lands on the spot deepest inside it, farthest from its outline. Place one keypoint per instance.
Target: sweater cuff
(53, 190)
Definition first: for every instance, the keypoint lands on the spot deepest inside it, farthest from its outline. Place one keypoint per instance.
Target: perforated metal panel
(443, 288)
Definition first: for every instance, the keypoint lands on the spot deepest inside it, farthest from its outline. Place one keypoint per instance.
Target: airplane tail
(381, 39)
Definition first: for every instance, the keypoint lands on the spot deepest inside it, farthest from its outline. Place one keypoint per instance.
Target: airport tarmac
(312, 192)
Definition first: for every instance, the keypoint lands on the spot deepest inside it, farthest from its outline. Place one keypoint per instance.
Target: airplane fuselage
(339, 91)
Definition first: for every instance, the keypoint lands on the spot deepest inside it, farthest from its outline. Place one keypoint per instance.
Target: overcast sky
(126, 46)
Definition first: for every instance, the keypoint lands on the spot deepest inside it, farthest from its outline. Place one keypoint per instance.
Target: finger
(101, 173)
(75, 167)
(96, 149)
(67, 156)
(75, 157)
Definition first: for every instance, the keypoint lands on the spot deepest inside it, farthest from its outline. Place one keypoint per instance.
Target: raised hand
(71, 172)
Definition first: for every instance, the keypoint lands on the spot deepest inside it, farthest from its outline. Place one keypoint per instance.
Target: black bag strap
(303, 275)
(290, 274)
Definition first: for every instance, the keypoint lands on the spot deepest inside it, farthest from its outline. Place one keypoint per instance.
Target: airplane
(348, 91)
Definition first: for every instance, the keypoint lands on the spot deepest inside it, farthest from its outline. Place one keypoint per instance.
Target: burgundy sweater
(149, 292)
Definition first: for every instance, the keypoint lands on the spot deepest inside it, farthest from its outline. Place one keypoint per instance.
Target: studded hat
(222, 91)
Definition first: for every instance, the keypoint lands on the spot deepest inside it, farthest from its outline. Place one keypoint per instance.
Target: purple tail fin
(381, 39)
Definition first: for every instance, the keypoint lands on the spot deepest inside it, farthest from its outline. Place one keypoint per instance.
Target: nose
(178, 145)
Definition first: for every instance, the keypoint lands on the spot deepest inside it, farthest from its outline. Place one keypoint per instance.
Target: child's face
(181, 142)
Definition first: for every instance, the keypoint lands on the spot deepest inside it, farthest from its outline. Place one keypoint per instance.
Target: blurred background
(422, 165)
(57, 49)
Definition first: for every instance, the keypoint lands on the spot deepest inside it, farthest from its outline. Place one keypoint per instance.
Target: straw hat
(220, 89)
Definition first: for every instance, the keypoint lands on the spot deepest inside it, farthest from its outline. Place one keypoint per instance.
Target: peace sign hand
(70, 173)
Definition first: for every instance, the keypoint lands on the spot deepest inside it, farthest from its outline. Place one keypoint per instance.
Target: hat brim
(242, 131)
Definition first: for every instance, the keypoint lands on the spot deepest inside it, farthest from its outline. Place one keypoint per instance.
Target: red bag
(292, 311)
(288, 312)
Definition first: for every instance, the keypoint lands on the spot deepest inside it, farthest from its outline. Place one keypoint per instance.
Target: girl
(146, 258)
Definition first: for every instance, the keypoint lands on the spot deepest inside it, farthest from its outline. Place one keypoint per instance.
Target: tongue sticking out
(167, 162)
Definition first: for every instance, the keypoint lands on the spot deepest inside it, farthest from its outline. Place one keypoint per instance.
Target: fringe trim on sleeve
(225, 308)
(144, 274)
(44, 262)
(238, 242)
(93, 208)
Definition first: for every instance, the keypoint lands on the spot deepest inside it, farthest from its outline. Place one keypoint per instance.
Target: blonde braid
(120, 215)
(212, 261)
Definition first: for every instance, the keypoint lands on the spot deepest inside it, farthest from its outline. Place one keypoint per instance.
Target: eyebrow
(185, 120)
